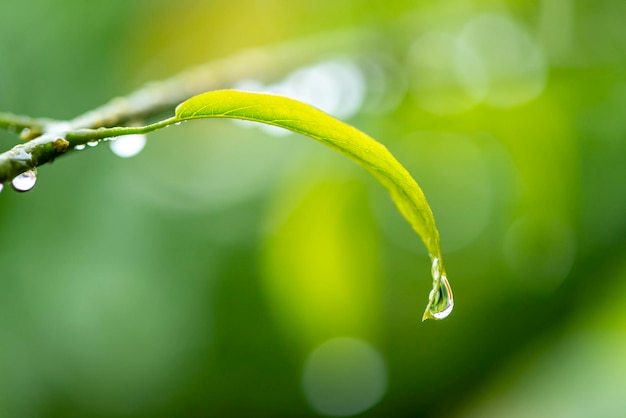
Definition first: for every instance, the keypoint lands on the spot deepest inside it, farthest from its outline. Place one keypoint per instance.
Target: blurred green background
(230, 271)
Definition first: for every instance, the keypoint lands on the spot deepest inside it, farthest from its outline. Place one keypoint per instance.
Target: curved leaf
(373, 156)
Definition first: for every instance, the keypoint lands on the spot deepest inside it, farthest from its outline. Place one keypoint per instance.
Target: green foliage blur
(230, 272)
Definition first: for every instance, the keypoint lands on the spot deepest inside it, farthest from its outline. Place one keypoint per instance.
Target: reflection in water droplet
(92, 143)
(440, 300)
(25, 181)
(443, 302)
(128, 146)
(80, 147)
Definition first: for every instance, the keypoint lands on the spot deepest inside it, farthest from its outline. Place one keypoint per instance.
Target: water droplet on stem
(80, 147)
(25, 133)
(128, 146)
(92, 143)
(25, 181)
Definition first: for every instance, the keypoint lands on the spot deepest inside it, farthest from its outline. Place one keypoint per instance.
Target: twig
(261, 64)
(50, 139)
(26, 126)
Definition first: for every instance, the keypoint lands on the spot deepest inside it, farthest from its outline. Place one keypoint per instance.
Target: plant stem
(261, 64)
(49, 139)
(27, 127)
(82, 136)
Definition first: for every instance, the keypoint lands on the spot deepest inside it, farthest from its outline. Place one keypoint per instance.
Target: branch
(262, 64)
(27, 127)
(49, 139)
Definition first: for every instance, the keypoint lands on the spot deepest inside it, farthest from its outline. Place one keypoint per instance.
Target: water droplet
(177, 123)
(92, 143)
(25, 181)
(440, 300)
(128, 146)
(25, 133)
(80, 147)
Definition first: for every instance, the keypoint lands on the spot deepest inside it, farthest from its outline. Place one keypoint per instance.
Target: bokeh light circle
(540, 251)
(344, 377)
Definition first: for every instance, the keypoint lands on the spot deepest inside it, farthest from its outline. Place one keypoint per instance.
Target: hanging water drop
(25, 181)
(80, 147)
(440, 300)
(128, 146)
(177, 123)
(92, 143)
(25, 133)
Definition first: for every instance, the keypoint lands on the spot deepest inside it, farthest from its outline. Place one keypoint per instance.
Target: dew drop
(440, 300)
(177, 123)
(128, 146)
(80, 147)
(25, 181)
(92, 143)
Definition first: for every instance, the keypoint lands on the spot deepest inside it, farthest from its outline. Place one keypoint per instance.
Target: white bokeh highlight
(512, 60)
(447, 77)
(344, 377)
(337, 86)
(493, 60)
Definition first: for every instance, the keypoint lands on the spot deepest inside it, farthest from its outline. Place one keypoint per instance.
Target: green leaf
(373, 156)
